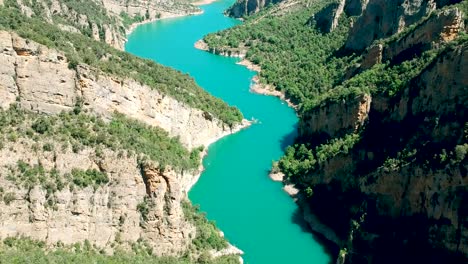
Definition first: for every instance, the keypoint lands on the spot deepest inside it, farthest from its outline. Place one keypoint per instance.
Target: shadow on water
(288, 139)
(329, 247)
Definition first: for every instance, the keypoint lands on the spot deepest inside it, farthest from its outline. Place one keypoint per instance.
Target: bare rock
(323, 121)
(384, 18)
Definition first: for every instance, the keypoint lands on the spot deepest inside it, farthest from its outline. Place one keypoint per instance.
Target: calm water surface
(234, 190)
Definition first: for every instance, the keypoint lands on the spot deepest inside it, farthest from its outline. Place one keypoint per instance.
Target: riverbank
(243, 125)
(256, 87)
(230, 249)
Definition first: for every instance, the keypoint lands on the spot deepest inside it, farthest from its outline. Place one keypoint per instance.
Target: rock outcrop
(150, 9)
(106, 27)
(327, 19)
(40, 80)
(381, 19)
(105, 216)
(384, 18)
(323, 122)
(439, 28)
(247, 7)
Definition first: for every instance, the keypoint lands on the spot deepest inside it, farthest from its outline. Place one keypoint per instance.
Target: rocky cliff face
(102, 20)
(409, 201)
(99, 25)
(40, 79)
(323, 123)
(382, 19)
(105, 216)
(140, 201)
(441, 27)
(247, 7)
(150, 9)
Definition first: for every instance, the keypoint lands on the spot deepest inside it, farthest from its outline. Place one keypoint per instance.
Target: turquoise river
(235, 191)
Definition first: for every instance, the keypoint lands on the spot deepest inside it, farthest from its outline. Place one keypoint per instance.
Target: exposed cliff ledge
(106, 28)
(327, 19)
(439, 28)
(150, 9)
(324, 123)
(382, 19)
(40, 79)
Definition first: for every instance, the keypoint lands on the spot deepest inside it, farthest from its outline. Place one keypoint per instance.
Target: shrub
(85, 178)
(9, 197)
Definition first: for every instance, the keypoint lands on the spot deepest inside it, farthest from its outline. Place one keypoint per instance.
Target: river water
(235, 191)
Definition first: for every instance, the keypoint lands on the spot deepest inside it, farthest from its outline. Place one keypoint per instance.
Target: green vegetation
(80, 130)
(128, 20)
(144, 207)
(8, 198)
(81, 49)
(88, 177)
(25, 250)
(295, 57)
(301, 159)
(208, 236)
(27, 176)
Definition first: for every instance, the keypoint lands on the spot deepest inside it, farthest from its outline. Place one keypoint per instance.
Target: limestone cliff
(106, 216)
(247, 7)
(97, 24)
(441, 27)
(40, 79)
(103, 20)
(323, 123)
(150, 9)
(381, 19)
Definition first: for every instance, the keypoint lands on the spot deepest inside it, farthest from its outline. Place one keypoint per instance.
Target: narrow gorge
(253, 212)
(138, 131)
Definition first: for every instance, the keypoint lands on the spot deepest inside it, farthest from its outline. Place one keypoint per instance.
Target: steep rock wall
(385, 18)
(247, 7)
(108, 28)
(105, 215)
(151, 9)
(323, 122)
(104, 22)
(442, 27)
(40, 79)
